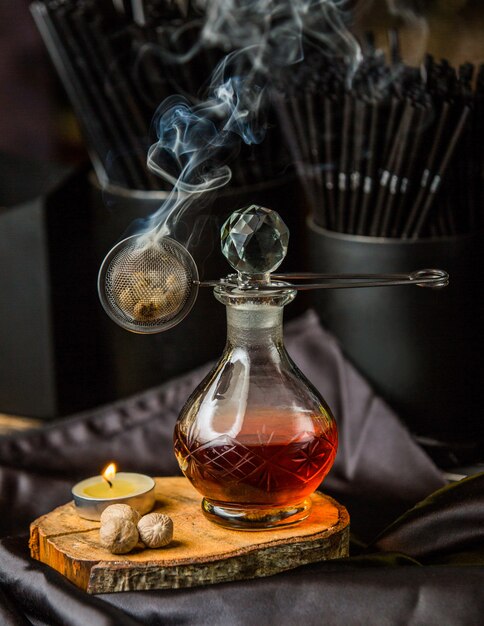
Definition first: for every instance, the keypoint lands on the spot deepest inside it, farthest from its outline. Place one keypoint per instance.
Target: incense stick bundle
(118, 62)
(437, 179)
(400, 149)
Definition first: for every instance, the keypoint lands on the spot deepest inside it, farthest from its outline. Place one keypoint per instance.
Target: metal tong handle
(433, 278)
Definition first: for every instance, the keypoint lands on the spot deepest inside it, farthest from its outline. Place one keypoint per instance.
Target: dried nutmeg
(118, 535)
(120, 511)
(155, 530)
(147, 310)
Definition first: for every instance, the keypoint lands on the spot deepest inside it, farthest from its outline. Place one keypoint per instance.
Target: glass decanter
(255, 438)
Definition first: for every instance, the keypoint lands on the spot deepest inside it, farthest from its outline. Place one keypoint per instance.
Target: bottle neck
(254, 326)
(254, 317)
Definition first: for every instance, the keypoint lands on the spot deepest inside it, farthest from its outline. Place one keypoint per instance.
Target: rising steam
(195, 141)
(412, 14)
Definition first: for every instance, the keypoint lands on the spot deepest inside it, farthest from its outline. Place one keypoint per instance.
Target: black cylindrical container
(420, 348)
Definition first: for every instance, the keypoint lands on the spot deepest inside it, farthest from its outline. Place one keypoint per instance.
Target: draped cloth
(417, 544)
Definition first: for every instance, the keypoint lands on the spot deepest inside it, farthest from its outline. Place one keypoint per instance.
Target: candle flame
(109, 473)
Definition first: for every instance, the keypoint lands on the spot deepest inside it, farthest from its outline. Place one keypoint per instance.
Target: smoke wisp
(196, 141)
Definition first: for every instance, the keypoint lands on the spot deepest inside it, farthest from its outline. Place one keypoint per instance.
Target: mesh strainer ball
(148, 286)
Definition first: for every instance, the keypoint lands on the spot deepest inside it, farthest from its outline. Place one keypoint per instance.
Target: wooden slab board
(201, 552)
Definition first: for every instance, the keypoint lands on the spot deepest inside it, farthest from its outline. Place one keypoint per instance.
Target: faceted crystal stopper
(254, 240)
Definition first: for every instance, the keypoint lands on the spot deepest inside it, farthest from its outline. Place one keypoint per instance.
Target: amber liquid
(275, 467)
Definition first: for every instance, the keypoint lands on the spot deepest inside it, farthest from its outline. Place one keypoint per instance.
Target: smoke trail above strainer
(262, 37)
(412, 13)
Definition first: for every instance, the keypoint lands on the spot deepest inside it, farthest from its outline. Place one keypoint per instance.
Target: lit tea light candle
(93, 495)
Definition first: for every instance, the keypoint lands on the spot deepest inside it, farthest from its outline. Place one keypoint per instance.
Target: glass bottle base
(240, 517)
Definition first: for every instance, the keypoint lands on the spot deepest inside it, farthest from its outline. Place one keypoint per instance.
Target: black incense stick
(343, 163)
(437, 179)
(329, 161)
(315, 158)
(394, 182)
(426, 174)
(355, 178)
(386, 173)
(407, 177)
(370, 170)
